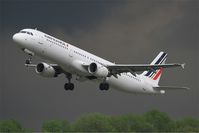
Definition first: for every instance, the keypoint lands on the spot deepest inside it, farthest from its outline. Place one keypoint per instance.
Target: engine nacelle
(45, 70)
(98, 70)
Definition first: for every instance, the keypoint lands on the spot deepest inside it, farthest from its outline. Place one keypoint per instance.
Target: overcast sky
(121, 31)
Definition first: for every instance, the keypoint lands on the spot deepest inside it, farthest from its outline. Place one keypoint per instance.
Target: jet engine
(98, 70)
(45, 70)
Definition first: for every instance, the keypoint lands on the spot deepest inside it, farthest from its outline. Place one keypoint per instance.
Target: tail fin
(154, 75)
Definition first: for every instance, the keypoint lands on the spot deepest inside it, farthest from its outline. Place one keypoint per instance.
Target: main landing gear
(104, 86)
(69, 85)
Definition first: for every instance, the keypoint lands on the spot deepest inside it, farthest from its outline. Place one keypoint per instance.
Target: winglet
(183, 65)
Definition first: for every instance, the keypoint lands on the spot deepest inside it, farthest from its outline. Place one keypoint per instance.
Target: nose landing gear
(30, 54)
(29, 60)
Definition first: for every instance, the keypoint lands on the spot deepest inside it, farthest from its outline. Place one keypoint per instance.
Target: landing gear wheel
(101, 86)
(66, 86)
(104, 86)
(69, 86)
(27, 62)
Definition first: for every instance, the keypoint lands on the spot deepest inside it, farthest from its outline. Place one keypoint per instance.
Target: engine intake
(93, 67)
(45, 70)
(98, 70)
(40, 67)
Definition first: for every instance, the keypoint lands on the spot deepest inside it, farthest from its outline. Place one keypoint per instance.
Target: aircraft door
(43, 44)
(37, 43)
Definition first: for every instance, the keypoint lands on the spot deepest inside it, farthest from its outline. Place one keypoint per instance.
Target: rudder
(154, 76)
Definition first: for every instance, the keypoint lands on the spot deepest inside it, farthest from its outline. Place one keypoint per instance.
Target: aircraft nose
(15, 37)
(18, 38)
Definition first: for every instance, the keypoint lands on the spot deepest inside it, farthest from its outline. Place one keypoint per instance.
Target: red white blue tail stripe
(158, 60)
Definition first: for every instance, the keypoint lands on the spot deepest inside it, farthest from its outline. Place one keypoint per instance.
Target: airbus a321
(70, 60)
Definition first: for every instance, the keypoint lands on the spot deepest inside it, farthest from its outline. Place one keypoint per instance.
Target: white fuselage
(70, 59)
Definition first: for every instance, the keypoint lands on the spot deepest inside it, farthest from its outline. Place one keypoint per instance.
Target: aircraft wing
(120, 68)
(58, 69)
(34, 65)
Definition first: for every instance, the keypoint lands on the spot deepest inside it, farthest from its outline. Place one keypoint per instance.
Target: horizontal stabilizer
(170, 88)
(30, 65)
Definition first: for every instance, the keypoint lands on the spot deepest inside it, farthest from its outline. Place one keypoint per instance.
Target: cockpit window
(22, 32)
(27, 32)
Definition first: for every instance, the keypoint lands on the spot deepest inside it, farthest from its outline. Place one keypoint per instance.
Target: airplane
(73, 61)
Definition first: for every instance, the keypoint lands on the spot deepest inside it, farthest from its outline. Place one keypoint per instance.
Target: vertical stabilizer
(154, 76)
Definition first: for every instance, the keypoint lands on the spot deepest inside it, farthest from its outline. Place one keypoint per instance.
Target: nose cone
(15, 37)
(19, 39)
